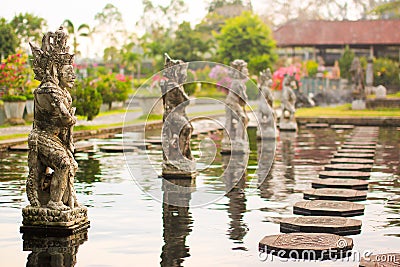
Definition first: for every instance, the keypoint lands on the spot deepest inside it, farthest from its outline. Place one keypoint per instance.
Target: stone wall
(383, 103)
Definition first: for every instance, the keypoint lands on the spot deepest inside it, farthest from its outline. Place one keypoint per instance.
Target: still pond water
(130, 228)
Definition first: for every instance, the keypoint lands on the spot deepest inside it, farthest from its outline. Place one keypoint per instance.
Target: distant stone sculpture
(358, 86)
(234, 140)
(177, 129)
(287, 120)
(266, 114)
(52, 167)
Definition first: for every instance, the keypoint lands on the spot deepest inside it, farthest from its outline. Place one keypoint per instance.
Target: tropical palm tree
(83, 30)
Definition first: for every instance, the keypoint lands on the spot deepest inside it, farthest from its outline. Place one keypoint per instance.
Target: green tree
(188, 44)
(28, 28)
(386, 72)
(387, 10)
(247, 37)
(8, 39)
(345, 63)
(87, 99)
(83, 30)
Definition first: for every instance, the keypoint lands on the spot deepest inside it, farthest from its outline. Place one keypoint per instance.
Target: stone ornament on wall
(177, 129)
(52, 167)
(235, 132)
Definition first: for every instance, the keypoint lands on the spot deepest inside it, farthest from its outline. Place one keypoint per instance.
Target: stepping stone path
(299, 245)
(118, 149)
(348, 167)
(335, 194)
(317, 125)
(342, 126)
(354, 155)
(328, 208)
(340, 182)
(354, 150)
(344, 174)
(79, 147)
(321, 224)
(352, 161)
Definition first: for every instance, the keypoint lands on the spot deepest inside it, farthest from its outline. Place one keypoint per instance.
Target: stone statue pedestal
(358, 104)
(288, 125)
(234, 147)
(179, 169)
(49, 222)
(266, 131)
(53, 251)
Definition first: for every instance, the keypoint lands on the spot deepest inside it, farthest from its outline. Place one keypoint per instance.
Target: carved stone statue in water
(235, 132)
(266, 114)
(287, 120)
(177, 129)
(52, 167)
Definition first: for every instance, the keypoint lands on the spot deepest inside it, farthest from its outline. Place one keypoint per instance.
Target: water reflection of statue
(177, 129)
(53, 251)
(235, 181)
(177, 221)
(287, 150)
(357, 77)
(236, 117)
(266, 114)
(52, 167)
(266, 159)
(287, 121)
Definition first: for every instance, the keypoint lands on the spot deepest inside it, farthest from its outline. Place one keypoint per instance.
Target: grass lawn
(346, 111)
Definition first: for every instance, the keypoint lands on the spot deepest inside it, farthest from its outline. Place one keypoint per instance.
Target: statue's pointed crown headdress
(53, 53)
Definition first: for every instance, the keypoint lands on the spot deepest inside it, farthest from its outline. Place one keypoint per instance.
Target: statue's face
(67, 76)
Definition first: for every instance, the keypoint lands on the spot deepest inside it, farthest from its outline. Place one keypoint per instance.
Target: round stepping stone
(154, 141)
(342, 126)
(340, 183)
(117, 149)
(363, 151)
(354, 155)
(317, 125)
(83, 146)
(335, 194)
(381, 260)
(321, 224)
(352, 161)
(357, 147)
(360, 143)
(344, 174)
(328, 208)
(311, 246)
(140, 145)
(348, 167)
(21, 148)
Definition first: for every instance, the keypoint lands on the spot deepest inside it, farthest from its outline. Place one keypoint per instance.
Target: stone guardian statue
(235, 132)
(177, 129)
(52, 167)
(266, 114)
(287, 120)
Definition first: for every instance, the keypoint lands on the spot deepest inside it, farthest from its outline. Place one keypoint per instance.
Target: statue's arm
(66, 118)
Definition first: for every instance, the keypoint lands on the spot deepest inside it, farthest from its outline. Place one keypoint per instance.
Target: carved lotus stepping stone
(342, 126)
(354, 150)
(340, 183)
(358, 146)
(317, 125)
(344, 174)
(321, 224)
(335, 194)
(381, 260)
(354, 155)
(348, 167)
(118, 149)
(328, 208)
(352, 161)
(310, 246)
(360, 143)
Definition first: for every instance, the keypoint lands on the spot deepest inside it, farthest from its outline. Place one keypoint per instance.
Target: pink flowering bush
(279, 74)
(13, 75)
